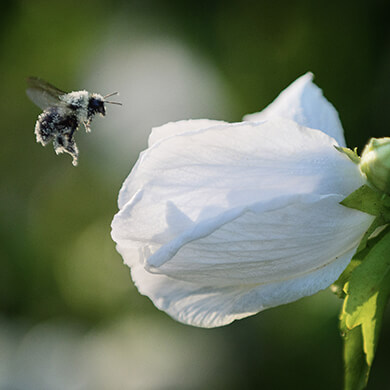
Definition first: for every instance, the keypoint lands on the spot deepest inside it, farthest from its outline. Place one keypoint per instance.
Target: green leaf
(356, 368)
(352, 154)
(365, 246)
(369, 201)
(379, 222)
(338, 285)
(367, 293)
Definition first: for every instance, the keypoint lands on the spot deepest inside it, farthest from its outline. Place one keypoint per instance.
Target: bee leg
(87, 125)
(65, 144)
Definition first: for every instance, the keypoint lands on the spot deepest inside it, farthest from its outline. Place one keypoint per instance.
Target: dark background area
(70, 317)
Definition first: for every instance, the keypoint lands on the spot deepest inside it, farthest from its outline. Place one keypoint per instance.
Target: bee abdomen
(52, 122)
(67, 124)
(46, 125)
(55, 125)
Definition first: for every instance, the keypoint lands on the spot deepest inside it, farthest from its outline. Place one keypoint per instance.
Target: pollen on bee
(62, 114)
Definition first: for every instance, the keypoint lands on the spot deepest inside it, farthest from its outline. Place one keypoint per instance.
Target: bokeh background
(70, 317)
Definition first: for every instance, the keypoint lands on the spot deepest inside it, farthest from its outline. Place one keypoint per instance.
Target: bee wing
(42, 93)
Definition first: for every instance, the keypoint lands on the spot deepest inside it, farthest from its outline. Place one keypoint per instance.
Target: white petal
(179, 127)
(262, 243)
(304, 103)
(241, 163)
(211, 306)
(220, 223)
(258, 260)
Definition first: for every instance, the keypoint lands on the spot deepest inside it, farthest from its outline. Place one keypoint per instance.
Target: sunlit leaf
(352, 154)
(371, 237)
(372, 202)
(356, 368)
(367, 293)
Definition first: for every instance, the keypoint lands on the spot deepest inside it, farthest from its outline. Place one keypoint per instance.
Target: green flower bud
(375, 163)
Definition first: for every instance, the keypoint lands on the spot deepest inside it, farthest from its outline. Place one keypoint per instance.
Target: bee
(63, 113)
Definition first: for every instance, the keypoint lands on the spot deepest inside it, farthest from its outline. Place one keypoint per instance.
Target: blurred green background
(70, 317)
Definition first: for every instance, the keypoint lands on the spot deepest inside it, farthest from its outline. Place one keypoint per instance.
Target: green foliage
(356, 368)
(367, 293)
(365, 284)
(370, 201)
(351, 154)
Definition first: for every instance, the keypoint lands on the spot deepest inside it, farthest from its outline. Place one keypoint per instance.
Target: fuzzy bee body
(63, 113)
(55, 125)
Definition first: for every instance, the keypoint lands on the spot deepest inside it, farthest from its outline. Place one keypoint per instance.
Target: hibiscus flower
(219, 221)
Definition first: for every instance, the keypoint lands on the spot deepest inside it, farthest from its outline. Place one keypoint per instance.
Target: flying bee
(63, 113)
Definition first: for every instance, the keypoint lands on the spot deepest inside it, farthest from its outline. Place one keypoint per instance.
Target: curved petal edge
(304, 103)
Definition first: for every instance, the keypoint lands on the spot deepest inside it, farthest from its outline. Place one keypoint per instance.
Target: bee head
(96, 105)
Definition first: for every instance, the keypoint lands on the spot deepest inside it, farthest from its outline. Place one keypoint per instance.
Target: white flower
(219, 221)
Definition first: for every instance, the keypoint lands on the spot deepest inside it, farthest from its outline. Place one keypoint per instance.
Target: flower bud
(375, 163)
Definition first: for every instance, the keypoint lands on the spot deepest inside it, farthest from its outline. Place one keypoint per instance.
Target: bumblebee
(63, 112)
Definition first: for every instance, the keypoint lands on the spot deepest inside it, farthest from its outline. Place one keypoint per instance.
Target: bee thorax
(78, 103)
(76, 99)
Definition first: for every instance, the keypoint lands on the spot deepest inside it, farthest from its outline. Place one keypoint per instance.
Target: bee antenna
(119, 104)
(110, 94)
